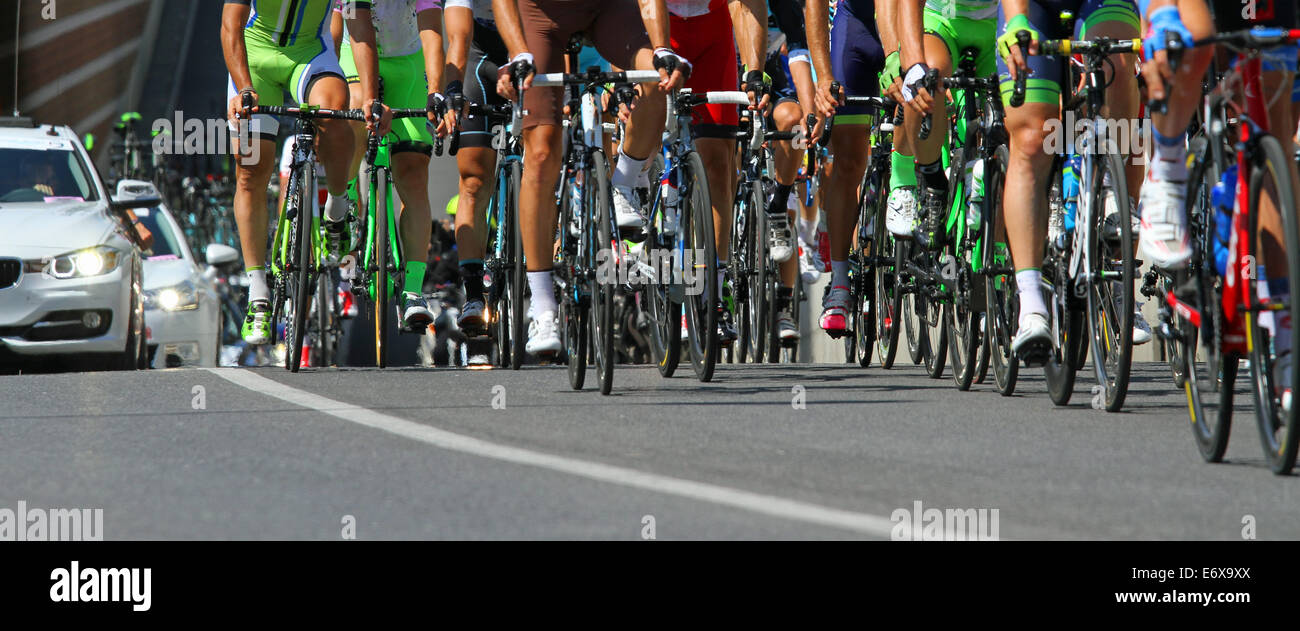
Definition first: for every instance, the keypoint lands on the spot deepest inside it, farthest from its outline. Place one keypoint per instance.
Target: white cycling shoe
(900, 216)
(1033, 340)
(543, 335)
(1163, 239)
(627, 211)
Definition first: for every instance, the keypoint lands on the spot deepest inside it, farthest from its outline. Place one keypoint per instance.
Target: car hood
(50, 229)
(165, 273)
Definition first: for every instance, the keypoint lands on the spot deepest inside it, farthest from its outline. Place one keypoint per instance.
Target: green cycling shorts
(960, 33)
(404, 87)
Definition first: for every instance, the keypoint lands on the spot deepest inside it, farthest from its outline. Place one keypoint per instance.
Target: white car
(182, 308)
(71, 270)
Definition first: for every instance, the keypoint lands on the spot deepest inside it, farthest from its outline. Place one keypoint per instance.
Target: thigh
(546, 36)
(618, 32)
(857, 59)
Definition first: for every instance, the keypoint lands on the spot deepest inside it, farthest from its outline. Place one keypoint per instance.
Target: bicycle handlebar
(551, 79)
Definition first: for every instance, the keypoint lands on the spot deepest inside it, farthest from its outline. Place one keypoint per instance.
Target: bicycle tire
(382, 253)
(517, 284)
(304, 267)
(600, 205)
(1278, 428)
(757, 308)
(701, 307)
(665, 313)
(1110, 325)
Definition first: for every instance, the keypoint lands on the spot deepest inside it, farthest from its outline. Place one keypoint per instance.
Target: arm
(654, 14)
(750, 31)
(336, 30)
(817, 20)
(458, 30)
(429, 21)
(751, 41)
(361, 32)
(511, 30)
(233, 18)
(911, 30)
(789, 19)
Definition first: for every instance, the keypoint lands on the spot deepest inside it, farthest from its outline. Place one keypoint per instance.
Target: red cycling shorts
(708, 43)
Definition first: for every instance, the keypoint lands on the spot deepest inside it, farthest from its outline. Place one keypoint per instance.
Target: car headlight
(182, 297)
(94, 261)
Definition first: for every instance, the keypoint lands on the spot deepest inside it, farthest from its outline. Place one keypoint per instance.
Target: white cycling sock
(839, 273)
(257, 289)
(808, 231)
(1169, 162)
(1028, 288)
(543, 293)
(336, 208)
(630, 172)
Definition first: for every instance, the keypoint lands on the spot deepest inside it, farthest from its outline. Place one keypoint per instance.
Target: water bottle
(975, 198)
(1224, 198)
(1070, 190)
(670, 194)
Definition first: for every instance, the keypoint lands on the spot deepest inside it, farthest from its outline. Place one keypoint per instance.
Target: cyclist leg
(1024, 204)
(1118, 19)
(929, 152)
(321, 82)
(857, 58)
(406, 88)
(786, 116)
(644, 130)
(1163, 235)
(255, 162)
(476, 162)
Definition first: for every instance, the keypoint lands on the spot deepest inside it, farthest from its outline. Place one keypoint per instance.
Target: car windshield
(39, 175)
(165, 241)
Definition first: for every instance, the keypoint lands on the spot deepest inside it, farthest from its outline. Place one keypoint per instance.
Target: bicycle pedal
(1036, 355)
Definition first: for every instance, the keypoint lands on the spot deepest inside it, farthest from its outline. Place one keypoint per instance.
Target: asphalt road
(458, 454)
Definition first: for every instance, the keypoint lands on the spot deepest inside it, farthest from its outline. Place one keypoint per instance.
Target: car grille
(9, 271)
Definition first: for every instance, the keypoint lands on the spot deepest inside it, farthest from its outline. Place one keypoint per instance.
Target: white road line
(755, 502)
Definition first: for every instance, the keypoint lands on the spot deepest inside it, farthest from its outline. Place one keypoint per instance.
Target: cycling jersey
(1047, 73)
(857, 57)
(968, 9)
(285, 23)
(307, 54)
(397, 32)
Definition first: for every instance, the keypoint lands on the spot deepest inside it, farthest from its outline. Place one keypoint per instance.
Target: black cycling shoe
(931, 233)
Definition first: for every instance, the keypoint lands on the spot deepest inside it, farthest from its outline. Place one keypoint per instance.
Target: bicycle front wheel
(701, 303)
(1111, 281)
(382, 257)
(303, 270)
(599, 206)
(1275, 380)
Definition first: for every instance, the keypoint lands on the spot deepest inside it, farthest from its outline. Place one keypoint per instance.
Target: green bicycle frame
(382, 162)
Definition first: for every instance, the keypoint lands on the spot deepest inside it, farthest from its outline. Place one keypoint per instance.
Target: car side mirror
(217, 254)
(122, 204)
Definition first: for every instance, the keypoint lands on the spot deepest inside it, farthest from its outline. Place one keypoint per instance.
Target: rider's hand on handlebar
(826, 99)
(915, 91)
(673, 69)
(236, 111)
(522, 65)
(1009, 46)
(1157, 71)
(759, 87)
(381, 125)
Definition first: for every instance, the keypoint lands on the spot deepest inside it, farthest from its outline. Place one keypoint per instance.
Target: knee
(1029, 142)
(471, 185)
(786, 116)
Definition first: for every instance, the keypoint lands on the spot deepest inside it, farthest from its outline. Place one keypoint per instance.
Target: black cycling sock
(784, 295)
(780, 200)
(472, 272)
(933, 176)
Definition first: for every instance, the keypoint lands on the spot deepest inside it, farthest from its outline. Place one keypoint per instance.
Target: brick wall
(76, 60)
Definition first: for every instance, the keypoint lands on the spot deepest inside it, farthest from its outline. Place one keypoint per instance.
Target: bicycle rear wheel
(516, 285)
(1274, 410)
(758, 296)
(304, 269)
(1112, 276)
(887, 299)
(599, 205)
(701, 306)
(382, 257)
(999, 289)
